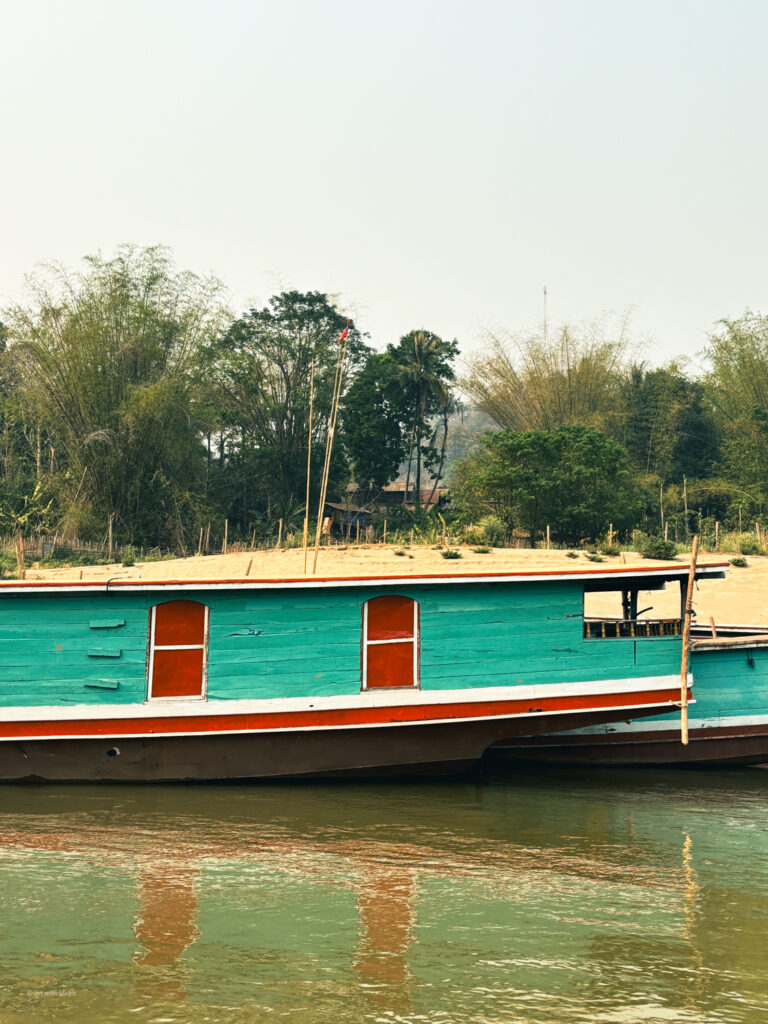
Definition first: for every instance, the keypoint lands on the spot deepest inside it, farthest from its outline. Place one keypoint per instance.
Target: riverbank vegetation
(138, 414)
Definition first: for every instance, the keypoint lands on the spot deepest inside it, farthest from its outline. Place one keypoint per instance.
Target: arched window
(178, 631)
(390, 642)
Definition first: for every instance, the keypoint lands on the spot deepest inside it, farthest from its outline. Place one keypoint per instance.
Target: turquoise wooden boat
(728, 715)
(225, 679)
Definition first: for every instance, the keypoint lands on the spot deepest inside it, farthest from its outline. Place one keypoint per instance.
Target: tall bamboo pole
(687, 644)
(337, 383)
(309, 462)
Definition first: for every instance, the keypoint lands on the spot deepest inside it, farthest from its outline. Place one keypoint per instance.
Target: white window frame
(415, 640)
(177, 647)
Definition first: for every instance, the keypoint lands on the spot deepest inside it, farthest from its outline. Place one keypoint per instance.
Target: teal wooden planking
(106, 623)
(104, 652)
(305, 643)
(102, 684)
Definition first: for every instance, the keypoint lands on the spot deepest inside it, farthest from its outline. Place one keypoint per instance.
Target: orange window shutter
(178, 649)
(390, 642)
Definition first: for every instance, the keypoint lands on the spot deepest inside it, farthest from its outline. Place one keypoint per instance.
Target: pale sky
(435, 163)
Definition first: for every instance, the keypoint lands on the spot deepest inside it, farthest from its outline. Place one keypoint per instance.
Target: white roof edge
(118, 585)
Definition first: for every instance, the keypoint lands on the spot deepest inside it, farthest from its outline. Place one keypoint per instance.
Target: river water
(551, 897)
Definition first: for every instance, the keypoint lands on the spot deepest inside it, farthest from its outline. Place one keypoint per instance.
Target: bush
(493, 530)
(473, 535)
(740, 563)
(595, 558)
(400, 553)
(657, 547)
(451, 554)
(749, 545)
(482, 551)
(8, 565)
(571, 554)
(610, 549)
(64, 555)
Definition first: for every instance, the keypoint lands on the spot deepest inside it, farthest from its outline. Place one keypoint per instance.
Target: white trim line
(116, 734)
(650, 725)
(665, 572)
(383, 697)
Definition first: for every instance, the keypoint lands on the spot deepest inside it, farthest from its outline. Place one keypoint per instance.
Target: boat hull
(726, 745)
(419, 749)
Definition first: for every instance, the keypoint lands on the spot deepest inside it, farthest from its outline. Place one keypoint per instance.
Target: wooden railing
(605, 629)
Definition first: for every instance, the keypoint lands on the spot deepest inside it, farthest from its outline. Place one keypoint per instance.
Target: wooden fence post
(717, 536)
(280, 533)
(547, 536)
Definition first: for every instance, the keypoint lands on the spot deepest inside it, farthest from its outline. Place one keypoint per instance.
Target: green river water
(626, 897)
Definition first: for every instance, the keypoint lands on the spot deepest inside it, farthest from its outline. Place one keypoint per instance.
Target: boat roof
(593, 579)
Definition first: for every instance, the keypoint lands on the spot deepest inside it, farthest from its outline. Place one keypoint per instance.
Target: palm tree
(421, 381)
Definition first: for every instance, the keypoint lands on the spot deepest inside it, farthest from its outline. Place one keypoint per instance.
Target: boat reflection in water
(530, 899)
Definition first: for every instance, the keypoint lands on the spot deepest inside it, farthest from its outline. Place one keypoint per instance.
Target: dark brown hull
(735, 745)
(430, 749)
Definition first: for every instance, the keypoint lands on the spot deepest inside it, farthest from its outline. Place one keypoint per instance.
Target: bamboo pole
(208, 539)
(384, 539)
(111, 517)
(357, 533)
(713, 627)
(687, 644)
(280, 534)
(337, 383)
(547, 536)
(610, 534)
(248, 570)
(411, 544)
(200, 542)
(309, 463)
(226, 535)
(717, 536)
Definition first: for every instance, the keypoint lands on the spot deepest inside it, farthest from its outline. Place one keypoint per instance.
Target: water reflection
(601, 897)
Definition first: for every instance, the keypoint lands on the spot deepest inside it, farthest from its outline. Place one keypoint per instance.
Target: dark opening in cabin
(177, 654)
(390, 653)
(627, 612)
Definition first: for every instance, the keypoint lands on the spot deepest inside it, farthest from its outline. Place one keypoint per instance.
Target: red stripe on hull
(334, 719)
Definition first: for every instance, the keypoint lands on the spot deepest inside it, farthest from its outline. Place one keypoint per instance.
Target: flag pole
(309, 462)
(337, 382)
(687, 644)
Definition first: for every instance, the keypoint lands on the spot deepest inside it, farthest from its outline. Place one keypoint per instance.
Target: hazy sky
(434, 163)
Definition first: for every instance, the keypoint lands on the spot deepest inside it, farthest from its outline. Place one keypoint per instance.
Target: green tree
(738, 356)
(110, 359)
(573, 478)
(261, 386)
(422, 382)
(529, 382)
(374, 428)
(667, 424)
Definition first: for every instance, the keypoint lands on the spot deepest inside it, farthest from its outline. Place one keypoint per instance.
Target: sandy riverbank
(741, 598)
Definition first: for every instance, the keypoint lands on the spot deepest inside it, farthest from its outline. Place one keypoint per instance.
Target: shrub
(400, 553)
(749, 545)
(473, 535)
(657, 547)
(8, 565)
(449, 553)
(740, 563)
(610, 549)
(482, 551)
(493, 530)
(595, 558)
(571, 554)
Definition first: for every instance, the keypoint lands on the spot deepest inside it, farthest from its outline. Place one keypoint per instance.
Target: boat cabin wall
(93, 647)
